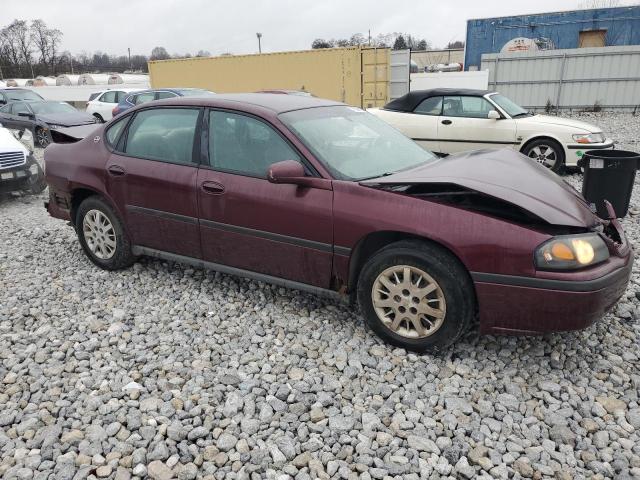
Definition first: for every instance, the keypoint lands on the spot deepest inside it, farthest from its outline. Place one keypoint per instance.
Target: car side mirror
(26, 114)
(493, 115)
(287, 171)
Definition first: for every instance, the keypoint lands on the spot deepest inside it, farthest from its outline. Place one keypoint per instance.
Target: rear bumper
(524, 305)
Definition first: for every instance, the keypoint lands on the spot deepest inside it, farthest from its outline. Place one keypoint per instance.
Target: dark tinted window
(470, 107)
(113, 132)
(6, 108)
(245, 145)
(108, 97)
(430, 106)
(162, 95)
(163, 134)
(143, 98)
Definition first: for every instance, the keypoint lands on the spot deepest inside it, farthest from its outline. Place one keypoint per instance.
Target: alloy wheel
(545, 155)
(408, 301)
(42, 138)
(99, 234)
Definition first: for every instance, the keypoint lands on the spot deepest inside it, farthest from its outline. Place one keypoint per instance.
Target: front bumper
(20, 178)
(575, 151)
(534, 305)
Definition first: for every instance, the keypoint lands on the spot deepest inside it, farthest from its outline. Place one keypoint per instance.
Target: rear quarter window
(113, 131)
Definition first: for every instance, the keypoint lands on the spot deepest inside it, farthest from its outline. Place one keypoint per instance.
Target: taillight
(114, 112)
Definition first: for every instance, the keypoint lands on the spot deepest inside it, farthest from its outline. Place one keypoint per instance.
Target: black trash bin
(609, 175)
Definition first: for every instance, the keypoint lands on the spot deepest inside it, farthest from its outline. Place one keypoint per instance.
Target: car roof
(275, 102)
(408, 102)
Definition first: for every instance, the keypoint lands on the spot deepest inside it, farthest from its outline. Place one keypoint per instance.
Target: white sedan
(455, 120)
(101, 104)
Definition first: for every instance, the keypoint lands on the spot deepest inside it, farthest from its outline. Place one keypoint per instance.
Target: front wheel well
(374, 242)
(541, 137)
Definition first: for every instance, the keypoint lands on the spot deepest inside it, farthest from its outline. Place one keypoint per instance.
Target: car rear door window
(144, 98)
(164, 134)
(120, 96)
(108, 97)
(469, 107)
(163, 95)
(430, 106)
(245, 145)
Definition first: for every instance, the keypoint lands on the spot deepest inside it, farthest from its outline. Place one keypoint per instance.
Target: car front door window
(108, 97)
(468, 107)
(244, 145)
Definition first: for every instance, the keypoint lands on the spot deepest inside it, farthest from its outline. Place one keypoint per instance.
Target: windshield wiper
(522, 114)
(385, 174)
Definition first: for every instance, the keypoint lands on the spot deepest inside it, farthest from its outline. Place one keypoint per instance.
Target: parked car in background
(457, 120)
(11, 94)
(101, 104)
(49, 121)
(19, 170)
(324, 197)
(146, 96)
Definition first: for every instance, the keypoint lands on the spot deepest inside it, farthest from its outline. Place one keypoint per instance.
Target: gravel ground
(169, 372)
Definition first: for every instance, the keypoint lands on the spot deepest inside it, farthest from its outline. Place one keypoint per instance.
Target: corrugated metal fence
(606, 78)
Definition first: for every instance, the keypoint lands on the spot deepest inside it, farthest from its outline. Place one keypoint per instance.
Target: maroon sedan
(320, 196)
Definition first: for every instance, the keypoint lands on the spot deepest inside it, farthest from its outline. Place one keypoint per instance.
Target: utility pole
(129, 51)
(259, 35)
(369, 37)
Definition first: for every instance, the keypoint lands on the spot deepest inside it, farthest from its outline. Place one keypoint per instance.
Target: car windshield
(508, 105)
(22, 95)
(43, 108)
(195, 92)
(353, 144)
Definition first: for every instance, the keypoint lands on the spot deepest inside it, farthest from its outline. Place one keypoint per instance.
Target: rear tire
(102, 235)
(547, 152)
(416, 296)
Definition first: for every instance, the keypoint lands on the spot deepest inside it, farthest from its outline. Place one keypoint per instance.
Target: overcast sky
(221, 26)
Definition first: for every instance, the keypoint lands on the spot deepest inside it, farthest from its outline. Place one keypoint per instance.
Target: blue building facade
(573, 29)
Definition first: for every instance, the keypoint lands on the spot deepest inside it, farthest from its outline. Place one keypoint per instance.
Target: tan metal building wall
(357, 76)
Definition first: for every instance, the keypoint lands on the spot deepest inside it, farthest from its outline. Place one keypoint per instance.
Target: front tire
(416, 296)
(42, 138)
(548, 153)
(98, 118)
(102, 236)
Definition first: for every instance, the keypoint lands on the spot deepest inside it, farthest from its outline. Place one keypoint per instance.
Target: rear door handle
(213, 188)
(116, 171)
(446, 122)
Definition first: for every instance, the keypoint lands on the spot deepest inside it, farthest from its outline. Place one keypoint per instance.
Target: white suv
(101, 104)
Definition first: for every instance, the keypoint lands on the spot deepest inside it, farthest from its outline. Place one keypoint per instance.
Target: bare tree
(46, 41)
(18, 33)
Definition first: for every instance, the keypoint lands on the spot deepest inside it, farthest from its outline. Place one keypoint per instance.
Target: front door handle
(116, 171)
(213, 188)
(446, 122)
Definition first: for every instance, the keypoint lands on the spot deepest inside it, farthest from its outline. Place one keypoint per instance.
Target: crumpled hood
(9, 143)
(67, 119)
(567, 122)
(507, 175)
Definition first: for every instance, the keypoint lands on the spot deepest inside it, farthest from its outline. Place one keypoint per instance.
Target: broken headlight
(570, 252)
(589, 138)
